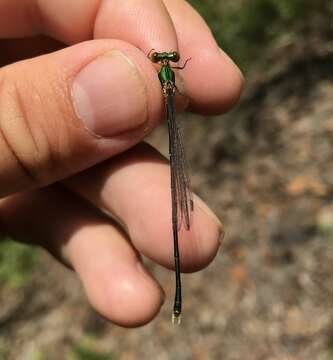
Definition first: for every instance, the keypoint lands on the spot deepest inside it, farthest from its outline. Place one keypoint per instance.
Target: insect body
(181, 200)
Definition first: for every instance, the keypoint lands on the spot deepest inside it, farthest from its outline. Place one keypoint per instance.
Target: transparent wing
(180, 181)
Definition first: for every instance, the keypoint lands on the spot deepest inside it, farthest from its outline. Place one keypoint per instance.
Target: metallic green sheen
(166, 74)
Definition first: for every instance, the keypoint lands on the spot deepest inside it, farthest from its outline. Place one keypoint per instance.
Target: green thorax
(166, 75)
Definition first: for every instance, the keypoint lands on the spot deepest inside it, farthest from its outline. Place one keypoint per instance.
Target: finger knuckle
(24, 141)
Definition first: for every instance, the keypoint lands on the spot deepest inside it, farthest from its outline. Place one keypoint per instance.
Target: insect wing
(182, 189)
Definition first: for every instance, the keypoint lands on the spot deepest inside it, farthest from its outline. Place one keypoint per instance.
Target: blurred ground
(267, 170)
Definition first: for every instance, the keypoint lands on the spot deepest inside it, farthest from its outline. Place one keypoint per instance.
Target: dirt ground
(267, 170)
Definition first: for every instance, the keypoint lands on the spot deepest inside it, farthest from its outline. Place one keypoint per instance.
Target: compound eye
(175, 56)
(154, 57)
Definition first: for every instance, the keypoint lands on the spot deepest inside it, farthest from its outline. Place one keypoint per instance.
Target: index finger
(212, 81)
(140, 22)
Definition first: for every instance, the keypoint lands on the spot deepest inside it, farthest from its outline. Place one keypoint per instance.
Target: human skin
(72, 123)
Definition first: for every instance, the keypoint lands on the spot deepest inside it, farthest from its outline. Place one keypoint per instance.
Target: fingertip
(213, 81)
(127, 296)
(234, 81)
(142, 24)
(217, 85)
(206, 233)
(114, 279)
(197, 246)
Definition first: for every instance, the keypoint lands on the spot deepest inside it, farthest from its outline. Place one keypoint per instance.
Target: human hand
(69, 124)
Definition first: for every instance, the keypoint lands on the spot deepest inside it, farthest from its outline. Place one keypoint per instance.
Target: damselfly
(181, 199)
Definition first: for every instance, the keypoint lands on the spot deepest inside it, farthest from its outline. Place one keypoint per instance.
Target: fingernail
(203, 206)
(109, 95)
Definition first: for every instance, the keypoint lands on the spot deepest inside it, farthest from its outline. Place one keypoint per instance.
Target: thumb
(66, 111)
